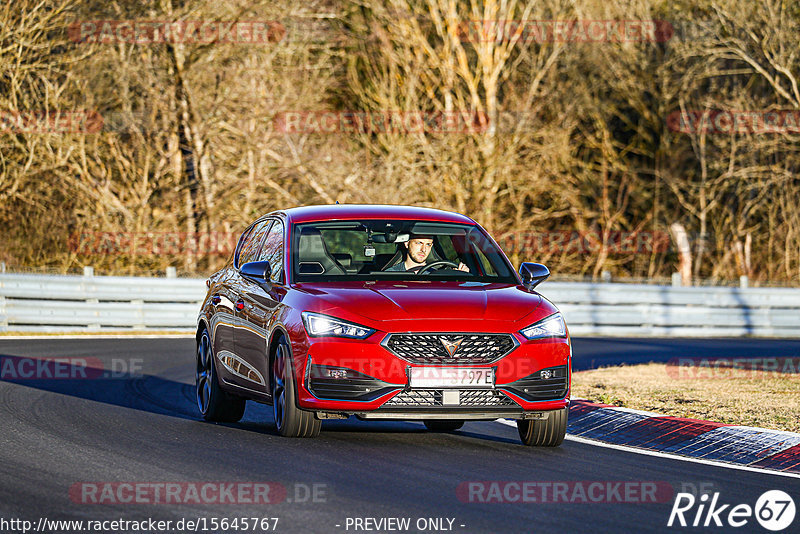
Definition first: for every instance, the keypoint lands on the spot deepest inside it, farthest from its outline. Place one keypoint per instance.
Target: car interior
(357, 250)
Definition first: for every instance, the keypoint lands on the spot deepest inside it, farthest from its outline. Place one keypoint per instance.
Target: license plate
(450, 377)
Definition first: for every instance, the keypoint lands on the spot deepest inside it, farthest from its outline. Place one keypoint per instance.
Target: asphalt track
(590, 353)
(142, 427)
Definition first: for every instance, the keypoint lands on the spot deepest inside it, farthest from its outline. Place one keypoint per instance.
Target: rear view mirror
(533, 274)
(389, 237)
(257, 270)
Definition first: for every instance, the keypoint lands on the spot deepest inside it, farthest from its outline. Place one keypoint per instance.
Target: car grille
(423, 398)
(431, 348)
(537, 388)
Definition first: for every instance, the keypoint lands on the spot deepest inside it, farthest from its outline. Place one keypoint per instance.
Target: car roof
(371, 211)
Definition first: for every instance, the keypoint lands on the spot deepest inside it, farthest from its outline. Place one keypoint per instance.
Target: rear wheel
(547, 433)
(214, 403)
(292, 422)
(443, 425)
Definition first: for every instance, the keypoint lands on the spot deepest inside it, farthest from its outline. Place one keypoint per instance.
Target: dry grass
(575, 132)
(737, 396)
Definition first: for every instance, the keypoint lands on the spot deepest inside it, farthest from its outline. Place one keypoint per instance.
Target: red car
(382, 312)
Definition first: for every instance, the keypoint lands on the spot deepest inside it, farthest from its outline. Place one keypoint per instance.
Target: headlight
(318, 325)
(552, 326)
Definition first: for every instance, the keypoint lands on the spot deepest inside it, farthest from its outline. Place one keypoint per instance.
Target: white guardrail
(70, 303)
(33, 302)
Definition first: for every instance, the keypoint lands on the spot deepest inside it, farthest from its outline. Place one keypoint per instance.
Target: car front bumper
(371, 382)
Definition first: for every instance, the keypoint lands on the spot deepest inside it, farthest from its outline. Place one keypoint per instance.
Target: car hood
(424, 300)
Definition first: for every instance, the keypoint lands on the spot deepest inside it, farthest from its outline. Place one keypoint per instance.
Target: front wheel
(443, 425)
(549, 432)
(214, 403)
(292, 422)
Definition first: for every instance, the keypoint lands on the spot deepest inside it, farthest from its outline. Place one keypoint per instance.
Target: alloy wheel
(279, 386)
(203, 374)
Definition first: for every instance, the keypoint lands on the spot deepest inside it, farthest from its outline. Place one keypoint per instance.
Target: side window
(273, 251)
(450, 254)
(488, 268)
(476, 248)
(488, 255)
(252, 243)
(241, 243)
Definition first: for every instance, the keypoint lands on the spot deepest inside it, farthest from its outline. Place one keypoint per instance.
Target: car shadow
(158, 395)
(138, 391)
(258, 418)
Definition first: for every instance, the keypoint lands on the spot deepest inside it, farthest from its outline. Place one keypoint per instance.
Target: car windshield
(396, 250)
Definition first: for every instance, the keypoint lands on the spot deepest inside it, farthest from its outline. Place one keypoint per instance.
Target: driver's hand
(463, 267)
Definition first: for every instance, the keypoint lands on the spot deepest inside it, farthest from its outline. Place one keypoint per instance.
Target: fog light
(337, 373)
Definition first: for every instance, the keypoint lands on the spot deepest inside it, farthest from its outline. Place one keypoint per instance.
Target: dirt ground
(751, 397)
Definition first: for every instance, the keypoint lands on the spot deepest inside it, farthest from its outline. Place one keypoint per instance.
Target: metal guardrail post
(88, 272)
(744, 282)
(138, 313)
(3, 315)
(676, 280)
(172, 272)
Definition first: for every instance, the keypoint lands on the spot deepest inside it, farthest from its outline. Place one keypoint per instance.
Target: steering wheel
(440, 263)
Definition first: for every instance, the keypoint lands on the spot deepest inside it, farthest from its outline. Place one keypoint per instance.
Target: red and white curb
(706, 441)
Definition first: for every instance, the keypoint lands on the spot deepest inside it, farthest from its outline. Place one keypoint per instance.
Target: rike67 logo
(774, 510)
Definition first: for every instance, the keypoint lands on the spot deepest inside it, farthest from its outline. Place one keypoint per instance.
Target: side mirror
(533, 274)
(257, 270)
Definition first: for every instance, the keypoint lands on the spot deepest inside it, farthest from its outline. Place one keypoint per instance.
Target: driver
(417, 250)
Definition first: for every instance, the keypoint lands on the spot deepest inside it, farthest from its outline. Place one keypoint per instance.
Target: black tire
(443, 425)
(214, 403)
(547, 433)
(292, 422)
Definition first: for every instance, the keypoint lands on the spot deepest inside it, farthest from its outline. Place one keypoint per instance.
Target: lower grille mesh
(433, 397)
